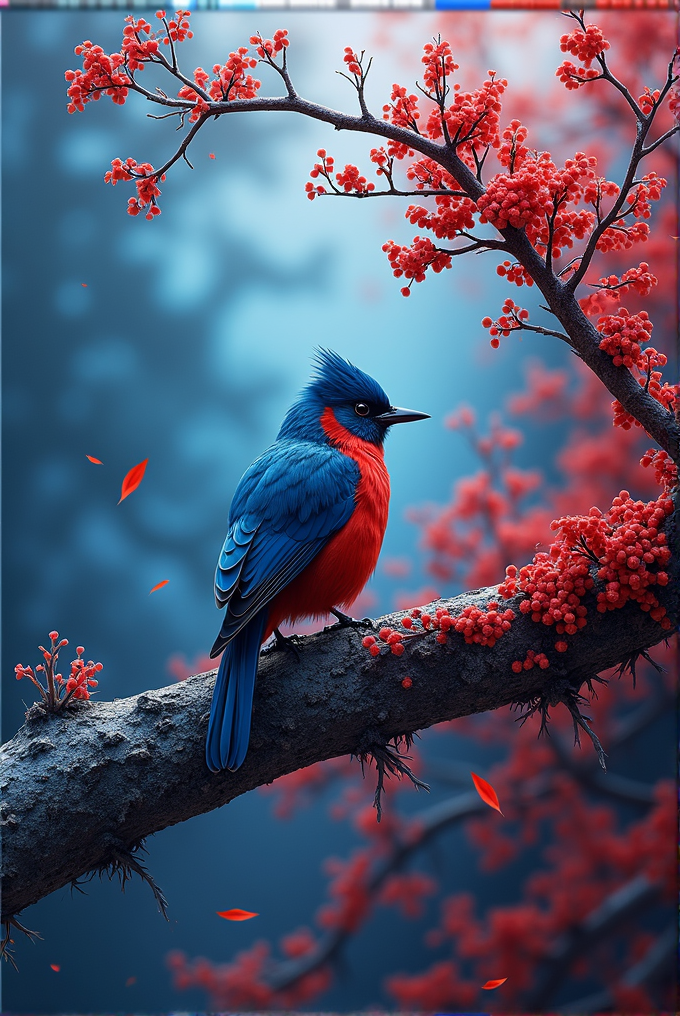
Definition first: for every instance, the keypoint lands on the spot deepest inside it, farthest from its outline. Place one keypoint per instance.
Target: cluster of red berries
(107, 73)
(640, 280)
(477, 626)
(665, 470)
(555, 584)
(429, 175)
(353, 61)
(138, 51)
(510, 321)
(516, 273)
(389, 637)
(630, 543)
(146, 183)
(178, 27)
(451, 216)
(532, 659)
(268, 48)
(352, 182)
(439, 64)
(100, 76)
(473, 117)
(512, 150)
(233, 79)
(584, 45)
(624, 542)
(515, 199)
(624, 334)
(403, 108)
(648, 100)
(412, 262)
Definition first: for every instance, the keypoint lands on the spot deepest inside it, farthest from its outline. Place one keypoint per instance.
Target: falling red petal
(55, 967)
(212, 155)
(494, 984)
(236, 914)
(130, 981)
(97, 462)
(133, 479)
(84, 285)
(486, 792)
(159, 586)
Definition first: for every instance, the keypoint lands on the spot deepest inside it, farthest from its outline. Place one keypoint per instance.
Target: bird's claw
(287, 643)
(345, 621)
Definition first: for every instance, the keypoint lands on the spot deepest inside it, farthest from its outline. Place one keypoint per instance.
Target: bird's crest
(337, 381)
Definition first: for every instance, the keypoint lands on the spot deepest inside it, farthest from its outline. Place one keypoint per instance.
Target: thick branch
(115, 772)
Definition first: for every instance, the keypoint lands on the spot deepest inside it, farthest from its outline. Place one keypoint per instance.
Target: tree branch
(116, 772)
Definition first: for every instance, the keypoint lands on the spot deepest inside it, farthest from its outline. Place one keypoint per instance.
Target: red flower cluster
(531, 660)
(145, 181)
(57, 691)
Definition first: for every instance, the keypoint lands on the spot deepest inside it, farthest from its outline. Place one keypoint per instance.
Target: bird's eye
(361, 409)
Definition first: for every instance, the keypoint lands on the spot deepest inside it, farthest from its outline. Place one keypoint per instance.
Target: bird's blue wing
(286, 508)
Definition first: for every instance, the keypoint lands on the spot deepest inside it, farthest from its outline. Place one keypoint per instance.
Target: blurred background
(184, 340)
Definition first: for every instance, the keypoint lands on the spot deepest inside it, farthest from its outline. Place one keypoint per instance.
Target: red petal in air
(133, 479)
(236, 914)
(97, 462)
(494, 984)
(159, 586)
(486, 792)
(212, 155)
(55, 967)
(130, 981)
(84, 285)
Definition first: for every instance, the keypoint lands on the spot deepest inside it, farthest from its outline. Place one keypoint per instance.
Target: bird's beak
(394, 415)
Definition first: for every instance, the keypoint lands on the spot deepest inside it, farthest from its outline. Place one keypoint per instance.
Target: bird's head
(341, 395)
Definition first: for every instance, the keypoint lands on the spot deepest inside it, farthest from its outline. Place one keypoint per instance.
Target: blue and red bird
(305, 529)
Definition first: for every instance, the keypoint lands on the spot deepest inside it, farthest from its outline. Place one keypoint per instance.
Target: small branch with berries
(58, 691)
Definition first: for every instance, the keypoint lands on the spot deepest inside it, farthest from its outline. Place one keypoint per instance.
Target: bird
(305, 529)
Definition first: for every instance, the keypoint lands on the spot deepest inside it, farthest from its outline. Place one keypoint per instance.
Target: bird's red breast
(340, 571)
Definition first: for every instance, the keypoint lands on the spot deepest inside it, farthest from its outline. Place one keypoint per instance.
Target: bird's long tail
(232, 703)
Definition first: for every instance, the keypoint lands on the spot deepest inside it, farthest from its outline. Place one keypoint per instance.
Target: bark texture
(79, 791)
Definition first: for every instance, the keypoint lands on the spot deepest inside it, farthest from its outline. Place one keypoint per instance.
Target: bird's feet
(287, 643)
(345, 621)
